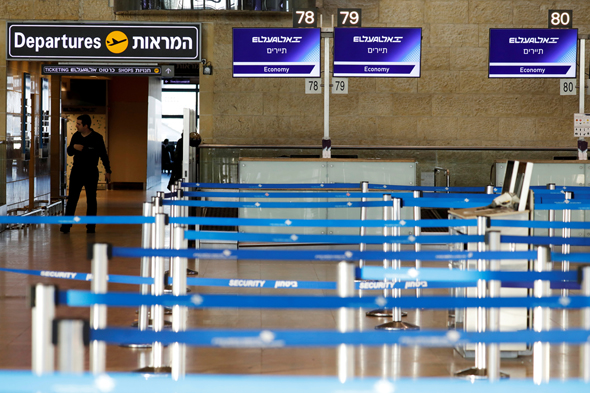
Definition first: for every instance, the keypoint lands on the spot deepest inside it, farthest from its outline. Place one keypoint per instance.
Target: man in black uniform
(86, 146)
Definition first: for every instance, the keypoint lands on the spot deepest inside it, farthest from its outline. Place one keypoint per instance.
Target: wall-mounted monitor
(533, 53)
(276, 53)
(377, 52)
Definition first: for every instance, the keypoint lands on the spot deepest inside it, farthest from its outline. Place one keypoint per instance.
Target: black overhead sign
(86, 69)
(100, 42)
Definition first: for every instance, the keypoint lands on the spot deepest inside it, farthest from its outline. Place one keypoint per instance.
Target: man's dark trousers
(89, 180)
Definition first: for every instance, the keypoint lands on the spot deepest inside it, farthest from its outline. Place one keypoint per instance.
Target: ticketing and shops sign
(533, 53)
(377, 52)
(276, 53)
(100, 42)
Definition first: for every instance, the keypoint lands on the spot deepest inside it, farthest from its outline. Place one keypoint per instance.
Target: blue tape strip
(26, 381)
(437, 274)
(281, 222)
(333, 239)
(113, 278)
(328, 338)
(312, 255)
(77, 298)
(76, 220)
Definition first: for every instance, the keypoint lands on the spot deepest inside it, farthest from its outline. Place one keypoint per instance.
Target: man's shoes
(64, 230)
(90, 230)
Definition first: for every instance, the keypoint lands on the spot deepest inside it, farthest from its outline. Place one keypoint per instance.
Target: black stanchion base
(154, 370)
(167, 324)
(473, 373)
(383, 313)
(397, 325)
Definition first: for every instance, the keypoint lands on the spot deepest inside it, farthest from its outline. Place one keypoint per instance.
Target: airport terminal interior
(467, 113)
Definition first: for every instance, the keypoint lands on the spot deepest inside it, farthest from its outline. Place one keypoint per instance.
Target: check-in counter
(562, 173)
(317, 171)
(511, 319)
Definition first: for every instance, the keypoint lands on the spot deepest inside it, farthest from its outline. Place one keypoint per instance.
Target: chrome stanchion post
(179, 314)
(397, 323)
(142, 314)
(158, 240)
(72, 336)
(43, 298)
(363, 230)
(417, 232)
(101, 253)
(551, 186)
(541, 322)
(345, 287)
(494, 286)
(480, 369)
(585, 347)
(567, 233)
(387, 213)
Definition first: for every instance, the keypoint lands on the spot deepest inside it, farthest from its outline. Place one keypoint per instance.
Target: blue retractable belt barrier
(76, 220)
(379, 273)
(272, 185)
(309, 255)
(546, 240)
(281, 222)
(333, 239)
(330, 186)
(28, 382)
(410, 202)
(112, 278)
(76, 298)
(328, 338)
(350, 194)
(280, 284)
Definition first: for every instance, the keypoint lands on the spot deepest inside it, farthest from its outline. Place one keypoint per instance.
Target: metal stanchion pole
(551, 186)
(345, 287)
(397, 323)
(567, 233)
(541, 322)
(417, 232)
(494, 286)
(101, 253)
(159, 238)
(363, 230)
(585, 347)
(71, 337)
(179, 314)
(387, 213)
(142, 314)
(184, 212)
(480, 369)
(43, 299)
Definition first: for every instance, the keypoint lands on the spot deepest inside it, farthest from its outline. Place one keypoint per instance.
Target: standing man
(86, 146)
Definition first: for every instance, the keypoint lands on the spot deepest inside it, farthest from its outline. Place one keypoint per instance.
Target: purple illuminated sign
(276, 53)
(377, 52)
(533, 53)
